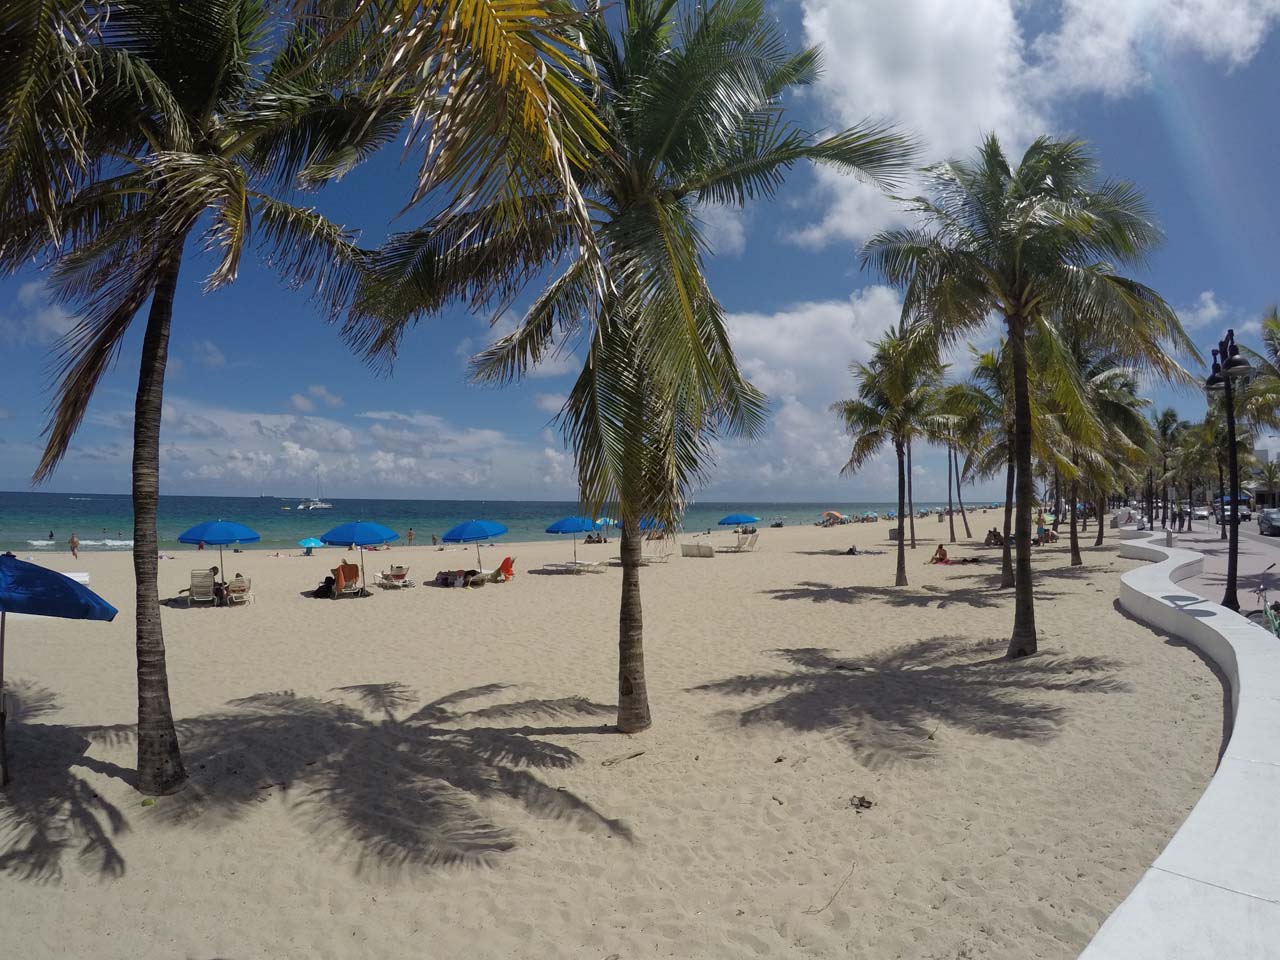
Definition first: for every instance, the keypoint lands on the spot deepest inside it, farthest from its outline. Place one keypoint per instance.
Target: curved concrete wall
(1214, 892)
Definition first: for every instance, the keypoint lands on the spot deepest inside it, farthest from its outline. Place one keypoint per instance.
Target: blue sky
(262, 396)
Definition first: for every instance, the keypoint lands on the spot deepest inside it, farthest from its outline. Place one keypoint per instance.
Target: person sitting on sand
(219, 589)
(852, 551)
(325, 590)
(939, 555)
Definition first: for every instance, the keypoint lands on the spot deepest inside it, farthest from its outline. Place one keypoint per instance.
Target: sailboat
(314, 503)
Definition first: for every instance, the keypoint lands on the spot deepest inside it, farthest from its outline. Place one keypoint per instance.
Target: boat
(315, 503)
(777, 522)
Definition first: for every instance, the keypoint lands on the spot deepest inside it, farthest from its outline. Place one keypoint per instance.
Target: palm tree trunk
(901, 579)
(1101, 508)
(1164, 490)
(911, 502)
(951, 514)
(1057, 500)
(633, 696)
(968, 534)
(1006, 560)
(1022, 642)
(1222, 510)
(1076, 559)
(160, 768)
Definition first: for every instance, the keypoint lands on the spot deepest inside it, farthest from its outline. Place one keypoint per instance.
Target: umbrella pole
(575, 549)
(4, 746)
(479, 565)
(363, 579)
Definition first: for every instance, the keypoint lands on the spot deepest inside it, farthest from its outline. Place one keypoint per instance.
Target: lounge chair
(738, 547)
(346, 580)
(577, 566)
(506, 571)
(697, 550)
(751, 544)
(240, 590)
(394, 579)
(657, 552)
(201, 589)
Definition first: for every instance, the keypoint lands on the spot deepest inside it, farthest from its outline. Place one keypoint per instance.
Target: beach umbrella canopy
(738, 520)
(648, 523)
(473, 531)
(573, 525)
(219, 533)
(32, 589)
(360, 533)
(311, 542)
(607, 522)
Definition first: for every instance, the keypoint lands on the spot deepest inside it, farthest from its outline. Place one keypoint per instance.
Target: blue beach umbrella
(575, 526)
(219, 533)
(28, 588)
(360, 533)
(310, 543)
(738, 520)
(648, 523)
(473, 531)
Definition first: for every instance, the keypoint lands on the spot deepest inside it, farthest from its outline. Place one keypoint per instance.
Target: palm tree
(1268, 477)
(196, 113)
(690, 102)
(1027, 244)
(1165, 427)
(896, 403)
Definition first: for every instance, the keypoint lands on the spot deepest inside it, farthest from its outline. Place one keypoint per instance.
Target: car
(1269, 521)
(1200, 513)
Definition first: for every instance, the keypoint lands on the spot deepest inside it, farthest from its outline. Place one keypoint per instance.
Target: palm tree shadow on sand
(886, 706)
(47, 812)
(395, 791)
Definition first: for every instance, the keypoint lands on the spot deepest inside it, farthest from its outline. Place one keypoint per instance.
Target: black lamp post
(1232, 366)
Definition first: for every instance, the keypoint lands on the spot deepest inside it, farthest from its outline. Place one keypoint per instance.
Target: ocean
(30, 522)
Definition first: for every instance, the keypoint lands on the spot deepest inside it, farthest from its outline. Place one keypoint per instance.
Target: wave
(79, 498)
(106, 543)
(40, 543)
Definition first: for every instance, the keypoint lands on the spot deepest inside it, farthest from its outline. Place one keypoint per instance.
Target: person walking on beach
(74, 544)
(411, 536)
(434, 541)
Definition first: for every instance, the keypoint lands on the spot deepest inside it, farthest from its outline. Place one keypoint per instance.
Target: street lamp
(1232, 367)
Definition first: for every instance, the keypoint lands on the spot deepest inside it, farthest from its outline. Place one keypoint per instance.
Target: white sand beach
(837, 768)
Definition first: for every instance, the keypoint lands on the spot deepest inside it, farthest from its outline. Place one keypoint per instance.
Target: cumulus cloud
(724, 229)
(549, 402)
(951, 72)
(1205, 312)
(791, 351)
(34, 317)
(301, 403)
(208, 354)
(324, 396)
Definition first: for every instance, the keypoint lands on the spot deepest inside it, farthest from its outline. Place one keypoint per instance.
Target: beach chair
(751, 544)
(689, 550)
(201, 589)
(506, 571)
(240, 590)
(736, 547)
(658, 551)
(394, 579)
(346, 580)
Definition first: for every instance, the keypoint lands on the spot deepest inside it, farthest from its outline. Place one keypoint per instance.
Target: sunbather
(939, 555)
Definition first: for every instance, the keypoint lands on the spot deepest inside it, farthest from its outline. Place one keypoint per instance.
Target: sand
(837, 768)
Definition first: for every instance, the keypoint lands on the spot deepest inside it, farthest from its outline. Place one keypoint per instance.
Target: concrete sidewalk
(1256, 554)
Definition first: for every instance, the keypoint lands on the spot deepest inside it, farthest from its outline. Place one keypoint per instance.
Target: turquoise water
(105, 521)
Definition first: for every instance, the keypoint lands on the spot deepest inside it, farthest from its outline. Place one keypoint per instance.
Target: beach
(837, 767)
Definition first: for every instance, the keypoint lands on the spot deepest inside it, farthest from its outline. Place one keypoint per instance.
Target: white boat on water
(315, 503)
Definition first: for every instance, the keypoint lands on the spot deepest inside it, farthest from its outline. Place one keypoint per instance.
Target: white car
(1200, 513)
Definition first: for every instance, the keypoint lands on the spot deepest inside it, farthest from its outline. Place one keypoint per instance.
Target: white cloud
(549, 402)
(322, 393)
(805, 349)
(36, 318)
(1205, 312)
(302, 403)
(724, 228)
(951, 72)
(208, 354)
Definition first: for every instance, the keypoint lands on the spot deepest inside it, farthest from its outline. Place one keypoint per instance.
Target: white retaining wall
(1214, 892)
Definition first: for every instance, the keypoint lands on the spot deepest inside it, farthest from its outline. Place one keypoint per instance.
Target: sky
(262, 395)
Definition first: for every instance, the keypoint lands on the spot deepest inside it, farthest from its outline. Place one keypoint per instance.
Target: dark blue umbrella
(574, 525)
(219, 533)
(738, 520)
(473, 531)
(28, 588)
(648, 523)
(360, 533)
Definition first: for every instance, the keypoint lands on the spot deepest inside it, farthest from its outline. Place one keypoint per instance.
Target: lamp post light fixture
(1229, 365)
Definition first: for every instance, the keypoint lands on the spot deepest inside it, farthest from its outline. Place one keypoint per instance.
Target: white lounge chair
(201, 589)
(751, 544)
(240, 590)
(738, 547)
(394, 579)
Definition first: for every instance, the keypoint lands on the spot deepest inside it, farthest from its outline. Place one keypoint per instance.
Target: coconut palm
(192, 119)
(690, 98)
(897, 402)
(1165, 428)
(1268, 477)
(1028, 244)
